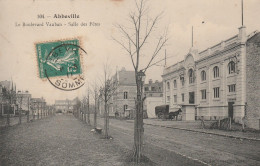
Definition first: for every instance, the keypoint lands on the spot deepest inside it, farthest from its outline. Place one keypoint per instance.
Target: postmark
(60, 63)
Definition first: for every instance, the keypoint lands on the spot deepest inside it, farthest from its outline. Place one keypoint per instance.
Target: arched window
(216, 72)
(191, 76)
(125, 95)
(231, 67)
(203, 75)
(168, 85)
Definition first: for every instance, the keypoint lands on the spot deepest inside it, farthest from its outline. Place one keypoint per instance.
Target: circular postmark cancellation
(60, 63)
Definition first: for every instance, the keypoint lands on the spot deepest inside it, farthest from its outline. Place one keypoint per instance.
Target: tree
(20, 102)
(9, 96)
(107, 90)
(95, 96)
(133, 41)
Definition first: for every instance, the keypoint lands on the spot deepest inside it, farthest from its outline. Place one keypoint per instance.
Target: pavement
(195, 126)
(168, 146)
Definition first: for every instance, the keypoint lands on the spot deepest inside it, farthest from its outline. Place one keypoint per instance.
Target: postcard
(129, 82)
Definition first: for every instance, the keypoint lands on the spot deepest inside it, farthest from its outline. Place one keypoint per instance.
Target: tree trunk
(85, 112)
(95, 113)
(106, 121)
(88, 114)
(20, 115)
(38, 113)
(138, 127)
(8, 116)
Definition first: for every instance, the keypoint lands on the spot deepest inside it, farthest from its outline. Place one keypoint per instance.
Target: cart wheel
(160, 116)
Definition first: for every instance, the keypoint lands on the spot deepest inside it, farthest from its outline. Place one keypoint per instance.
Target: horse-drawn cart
(162, 112)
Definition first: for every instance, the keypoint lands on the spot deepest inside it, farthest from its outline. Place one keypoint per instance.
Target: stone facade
(23, 100)
(64, 105)
(123, 100)
(253, 82)
(215, 81)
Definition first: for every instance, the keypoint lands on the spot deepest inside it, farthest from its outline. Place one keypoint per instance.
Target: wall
(253, 82)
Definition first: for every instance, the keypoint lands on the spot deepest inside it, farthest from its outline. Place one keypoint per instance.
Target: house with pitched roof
(122, 102)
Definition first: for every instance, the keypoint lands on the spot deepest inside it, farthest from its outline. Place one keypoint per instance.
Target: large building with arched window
(221, 81)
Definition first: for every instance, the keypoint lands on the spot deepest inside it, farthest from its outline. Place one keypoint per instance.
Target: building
(23, 100)
(64, 105)
(7, 98)
(221, 81)
(153, 91)
(122, 101)
(38, 105)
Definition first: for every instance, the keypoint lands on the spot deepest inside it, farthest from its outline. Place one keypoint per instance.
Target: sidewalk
(194, 126)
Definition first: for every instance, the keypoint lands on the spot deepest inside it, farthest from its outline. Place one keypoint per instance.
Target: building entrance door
(230, 109)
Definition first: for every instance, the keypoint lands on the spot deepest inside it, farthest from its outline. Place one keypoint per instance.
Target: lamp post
(138, 126)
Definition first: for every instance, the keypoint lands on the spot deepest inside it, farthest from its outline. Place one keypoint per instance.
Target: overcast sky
(221, 18)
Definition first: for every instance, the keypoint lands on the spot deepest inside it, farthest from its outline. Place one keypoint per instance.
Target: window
(125, 107)
(191, 76)
(231, 67)
(216, 92)
(153, 89)
(182, 97)
(216, 72)
(203, 75)
(182, 81)
(168, 98)
(203, 94)
(160, 89)
(168, 85)
(191, 98)
(125, 95)
(146, 89)
(232, 88)
(175, 83)
(175, 98)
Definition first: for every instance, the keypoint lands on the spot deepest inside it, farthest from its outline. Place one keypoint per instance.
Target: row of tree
(135, 34)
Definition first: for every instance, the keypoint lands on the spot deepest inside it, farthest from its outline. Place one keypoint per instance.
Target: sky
(212, 21)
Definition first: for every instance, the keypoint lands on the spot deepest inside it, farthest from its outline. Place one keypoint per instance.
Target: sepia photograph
(129, 82)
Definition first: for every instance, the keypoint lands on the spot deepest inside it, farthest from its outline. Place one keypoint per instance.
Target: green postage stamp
(60, 58)
(60, 63)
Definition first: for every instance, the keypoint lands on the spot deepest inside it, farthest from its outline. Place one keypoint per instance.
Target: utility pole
(242, 6)
(192, 36)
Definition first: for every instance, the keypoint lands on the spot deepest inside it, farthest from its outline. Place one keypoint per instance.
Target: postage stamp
(60, 63)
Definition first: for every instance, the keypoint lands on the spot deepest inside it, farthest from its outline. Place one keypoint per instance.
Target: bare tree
(95, 96)
(108, 88)
(133, 41)
(19, 98)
